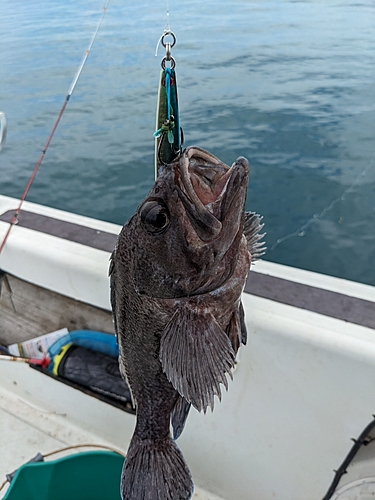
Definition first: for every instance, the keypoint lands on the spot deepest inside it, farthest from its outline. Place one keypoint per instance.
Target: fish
(177, 274)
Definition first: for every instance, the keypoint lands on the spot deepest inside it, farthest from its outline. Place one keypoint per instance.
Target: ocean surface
(288, 84)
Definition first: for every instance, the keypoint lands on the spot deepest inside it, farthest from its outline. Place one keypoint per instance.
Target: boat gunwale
(334, 304)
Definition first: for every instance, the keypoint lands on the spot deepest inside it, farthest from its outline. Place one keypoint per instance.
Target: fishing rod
(61, 112)
(44, 362)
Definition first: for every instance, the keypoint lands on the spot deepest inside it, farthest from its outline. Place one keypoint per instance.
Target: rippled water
(288, 84)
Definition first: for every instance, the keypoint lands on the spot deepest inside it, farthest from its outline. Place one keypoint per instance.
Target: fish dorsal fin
(196, 356)
(252, 227)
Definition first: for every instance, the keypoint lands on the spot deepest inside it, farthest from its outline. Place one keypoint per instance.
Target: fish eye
(155, 216)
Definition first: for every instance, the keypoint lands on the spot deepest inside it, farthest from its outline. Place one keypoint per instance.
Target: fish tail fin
(155, 470)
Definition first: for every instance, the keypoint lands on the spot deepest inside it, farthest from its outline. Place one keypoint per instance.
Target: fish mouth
(211, 191)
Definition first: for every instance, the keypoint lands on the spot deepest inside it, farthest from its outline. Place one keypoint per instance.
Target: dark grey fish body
(177, 275)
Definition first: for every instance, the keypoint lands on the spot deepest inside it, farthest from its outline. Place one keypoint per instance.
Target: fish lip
(225, 185)
(187, 155)
(239, 167)
(236, 184)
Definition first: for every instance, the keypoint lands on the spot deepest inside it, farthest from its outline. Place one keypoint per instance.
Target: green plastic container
(93, 475)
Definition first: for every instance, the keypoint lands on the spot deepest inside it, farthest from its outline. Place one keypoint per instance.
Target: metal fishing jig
(168, 133)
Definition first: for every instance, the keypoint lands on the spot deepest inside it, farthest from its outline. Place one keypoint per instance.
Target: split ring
(167, 34)
(172, 61)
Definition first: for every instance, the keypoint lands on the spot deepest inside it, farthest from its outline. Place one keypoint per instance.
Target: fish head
(186, 234)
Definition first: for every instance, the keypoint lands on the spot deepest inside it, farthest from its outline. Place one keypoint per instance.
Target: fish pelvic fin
(241, 312)
(252, 227)
(155, 470)
(196, 356)
(236, 329)
(179, 415)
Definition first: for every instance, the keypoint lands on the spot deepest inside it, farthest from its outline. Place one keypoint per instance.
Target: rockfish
(177, 275)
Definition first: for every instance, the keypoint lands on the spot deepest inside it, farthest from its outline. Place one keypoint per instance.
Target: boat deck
(27, 429)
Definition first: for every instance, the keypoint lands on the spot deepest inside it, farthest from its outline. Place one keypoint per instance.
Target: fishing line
(301, 231)
(70, 92)
(168, 13)
(166, 31)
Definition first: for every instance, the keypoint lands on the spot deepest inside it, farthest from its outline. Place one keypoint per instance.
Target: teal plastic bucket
(93, 475)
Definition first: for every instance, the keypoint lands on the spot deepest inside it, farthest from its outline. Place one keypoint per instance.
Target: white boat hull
(302, 389)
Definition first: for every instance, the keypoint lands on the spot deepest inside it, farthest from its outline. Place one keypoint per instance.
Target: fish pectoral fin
(196, 355)
(179, 415)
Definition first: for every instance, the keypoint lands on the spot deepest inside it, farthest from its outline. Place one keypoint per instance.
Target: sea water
(288, 84)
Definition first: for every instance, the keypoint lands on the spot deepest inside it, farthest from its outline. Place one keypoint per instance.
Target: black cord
(362, 440)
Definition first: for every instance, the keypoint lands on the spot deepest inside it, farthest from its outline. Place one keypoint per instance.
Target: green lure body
(168, 136)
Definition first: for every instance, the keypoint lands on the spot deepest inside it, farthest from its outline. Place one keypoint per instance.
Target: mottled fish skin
(177, 275)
